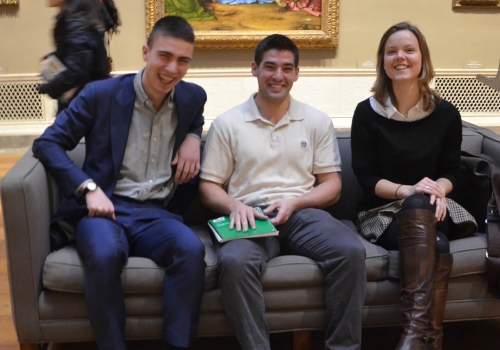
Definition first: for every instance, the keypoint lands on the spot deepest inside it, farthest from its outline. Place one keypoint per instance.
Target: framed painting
(475, 3)
(241, 24)
(9, 2)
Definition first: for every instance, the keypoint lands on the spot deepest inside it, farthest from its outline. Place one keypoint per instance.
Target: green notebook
(220, 228)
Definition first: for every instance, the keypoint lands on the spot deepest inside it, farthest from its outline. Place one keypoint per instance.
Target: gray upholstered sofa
(47, 287)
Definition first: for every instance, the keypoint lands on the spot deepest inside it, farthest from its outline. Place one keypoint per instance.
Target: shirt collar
(390, 112)
(141, 95)
(252, 111)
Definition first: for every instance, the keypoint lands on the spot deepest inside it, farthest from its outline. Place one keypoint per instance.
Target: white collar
(390, 112)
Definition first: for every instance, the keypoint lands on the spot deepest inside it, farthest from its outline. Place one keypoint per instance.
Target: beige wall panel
(25, 36)
(454, 36)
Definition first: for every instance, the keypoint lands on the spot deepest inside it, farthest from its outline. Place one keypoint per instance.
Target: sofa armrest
(26, 202)
(491, 144)
(489, 140)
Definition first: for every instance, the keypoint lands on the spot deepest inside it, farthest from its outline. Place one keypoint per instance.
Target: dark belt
(148, 203)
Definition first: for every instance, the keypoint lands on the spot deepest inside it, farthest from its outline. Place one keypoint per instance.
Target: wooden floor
(476, 335)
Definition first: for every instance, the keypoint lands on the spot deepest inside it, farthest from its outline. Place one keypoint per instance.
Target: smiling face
(402, 57)
(167, 61)
(275, 75)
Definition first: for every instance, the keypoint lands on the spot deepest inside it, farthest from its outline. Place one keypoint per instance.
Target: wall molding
(334, 91)
(245, 72)
(330, 72)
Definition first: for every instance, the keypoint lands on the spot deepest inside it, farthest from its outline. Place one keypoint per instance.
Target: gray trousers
(312, 233)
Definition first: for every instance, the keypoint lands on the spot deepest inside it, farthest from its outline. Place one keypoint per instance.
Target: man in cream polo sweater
(282, 155)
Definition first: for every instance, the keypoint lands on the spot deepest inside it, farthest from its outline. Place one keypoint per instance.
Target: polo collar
(252, 113)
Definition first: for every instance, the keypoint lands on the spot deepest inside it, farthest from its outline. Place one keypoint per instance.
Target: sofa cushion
(469, 257)
(63, 270)
(377, 261)
(291, 271)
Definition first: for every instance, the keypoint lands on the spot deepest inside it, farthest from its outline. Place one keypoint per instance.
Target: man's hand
(285, 207)
(242, 215)
(99, 205)
(43, 64)
(187, 160)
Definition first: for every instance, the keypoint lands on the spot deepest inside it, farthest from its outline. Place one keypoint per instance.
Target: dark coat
(81, 49)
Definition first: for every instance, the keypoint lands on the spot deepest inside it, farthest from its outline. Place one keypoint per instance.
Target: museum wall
(453, 36)
(329, 79)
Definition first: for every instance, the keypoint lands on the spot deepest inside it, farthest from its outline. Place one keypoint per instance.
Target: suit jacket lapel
(181, 99)
(121, 117)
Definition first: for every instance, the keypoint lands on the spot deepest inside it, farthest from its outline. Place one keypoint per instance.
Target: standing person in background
(78, 37)
(406, 154)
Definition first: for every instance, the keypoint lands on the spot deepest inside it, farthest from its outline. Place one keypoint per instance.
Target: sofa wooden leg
(25, 346)
(301, 340)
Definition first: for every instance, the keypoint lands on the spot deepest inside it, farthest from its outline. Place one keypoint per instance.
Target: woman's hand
(440, 207)
(436, 193)
(428, 187)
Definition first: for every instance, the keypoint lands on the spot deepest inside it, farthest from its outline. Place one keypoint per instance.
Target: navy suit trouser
(142, 229)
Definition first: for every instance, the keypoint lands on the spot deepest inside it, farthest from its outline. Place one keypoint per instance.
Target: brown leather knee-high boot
(417, 260)
(444, 263)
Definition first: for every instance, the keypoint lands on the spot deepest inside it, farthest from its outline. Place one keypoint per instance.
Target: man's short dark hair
(277, 42)
(173, 26)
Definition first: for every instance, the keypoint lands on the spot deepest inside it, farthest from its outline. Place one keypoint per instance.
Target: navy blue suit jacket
(102, 113)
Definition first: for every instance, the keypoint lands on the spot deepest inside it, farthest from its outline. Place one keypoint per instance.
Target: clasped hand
(435, 192)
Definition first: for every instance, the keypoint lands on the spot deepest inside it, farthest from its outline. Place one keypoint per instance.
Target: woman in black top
(406, 153)
(78, 36)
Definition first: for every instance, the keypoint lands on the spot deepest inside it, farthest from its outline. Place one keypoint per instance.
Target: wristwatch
(89, 187)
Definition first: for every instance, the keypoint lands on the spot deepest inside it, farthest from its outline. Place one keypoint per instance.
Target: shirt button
(152, 160)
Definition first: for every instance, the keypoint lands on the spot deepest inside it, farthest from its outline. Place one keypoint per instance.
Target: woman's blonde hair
(383, 87)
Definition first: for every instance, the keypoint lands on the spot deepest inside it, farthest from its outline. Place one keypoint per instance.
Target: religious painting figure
(310, 6)
(188, 9)
(238, 2)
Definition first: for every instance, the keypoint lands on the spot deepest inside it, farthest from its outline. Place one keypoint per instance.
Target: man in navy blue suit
(142, 137)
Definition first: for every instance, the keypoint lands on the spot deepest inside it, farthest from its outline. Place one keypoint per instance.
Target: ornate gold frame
(9, 2)
(327, 37)
(475, 3)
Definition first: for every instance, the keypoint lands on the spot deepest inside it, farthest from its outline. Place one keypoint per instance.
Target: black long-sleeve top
(403, 152)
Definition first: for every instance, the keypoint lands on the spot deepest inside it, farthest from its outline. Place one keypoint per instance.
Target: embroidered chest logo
(303, 144)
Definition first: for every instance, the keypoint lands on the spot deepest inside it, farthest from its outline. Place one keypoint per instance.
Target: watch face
(91, 186)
